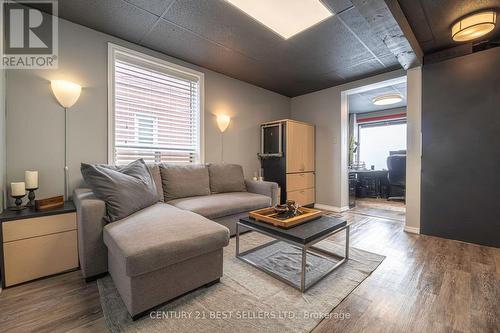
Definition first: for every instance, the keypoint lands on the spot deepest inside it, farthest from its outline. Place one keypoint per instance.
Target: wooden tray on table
(269, 215)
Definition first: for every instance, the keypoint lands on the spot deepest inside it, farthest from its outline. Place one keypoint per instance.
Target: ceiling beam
(387, 20)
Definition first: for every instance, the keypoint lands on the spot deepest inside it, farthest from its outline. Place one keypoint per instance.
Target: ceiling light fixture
(387, 99)
(284, 17)
(474, 26)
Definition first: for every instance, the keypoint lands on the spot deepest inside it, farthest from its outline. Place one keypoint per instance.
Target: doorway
(376, 148)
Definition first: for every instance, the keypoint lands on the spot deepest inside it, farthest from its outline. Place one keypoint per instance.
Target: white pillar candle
(18, 189)
(31, 179)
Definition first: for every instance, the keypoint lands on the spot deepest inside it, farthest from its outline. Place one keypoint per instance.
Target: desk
(370, 183)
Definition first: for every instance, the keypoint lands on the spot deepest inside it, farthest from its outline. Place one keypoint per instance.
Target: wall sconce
(223, 123)
(66, 93)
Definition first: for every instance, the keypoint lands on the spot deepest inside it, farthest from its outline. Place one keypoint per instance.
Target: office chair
(396, 164)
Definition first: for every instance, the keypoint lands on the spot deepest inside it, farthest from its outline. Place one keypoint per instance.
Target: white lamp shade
(474, 26)
(223, 122)
(66, 93)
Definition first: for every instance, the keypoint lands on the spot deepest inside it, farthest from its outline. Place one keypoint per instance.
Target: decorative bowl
(281, 208)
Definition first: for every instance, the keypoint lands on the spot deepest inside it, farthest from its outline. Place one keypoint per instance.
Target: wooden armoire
(292, 163)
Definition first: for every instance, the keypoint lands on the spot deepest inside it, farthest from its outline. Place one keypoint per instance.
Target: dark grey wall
(461, 148)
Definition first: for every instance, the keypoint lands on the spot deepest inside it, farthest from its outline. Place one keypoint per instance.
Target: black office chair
(396, 164)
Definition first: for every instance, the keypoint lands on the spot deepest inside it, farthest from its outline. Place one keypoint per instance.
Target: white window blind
(156, 113)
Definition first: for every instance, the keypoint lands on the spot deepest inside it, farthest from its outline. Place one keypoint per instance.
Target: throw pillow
(125, 189)
(226, 178)
(182, 181)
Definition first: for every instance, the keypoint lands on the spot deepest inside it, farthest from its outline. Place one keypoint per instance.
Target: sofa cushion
(162, 235)
(181, 181)
(222, 204)
(226, 178)
(125, 190)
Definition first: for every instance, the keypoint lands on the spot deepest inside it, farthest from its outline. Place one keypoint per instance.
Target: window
(155, 108)
(376, 140)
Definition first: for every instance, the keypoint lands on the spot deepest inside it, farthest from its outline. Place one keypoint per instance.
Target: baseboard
(412, 230)
(331, 208)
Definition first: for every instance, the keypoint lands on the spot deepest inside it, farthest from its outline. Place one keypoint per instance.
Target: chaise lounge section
(162, 252)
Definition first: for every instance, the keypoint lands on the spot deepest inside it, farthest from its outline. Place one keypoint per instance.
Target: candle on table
(31, 179)
(18, 189)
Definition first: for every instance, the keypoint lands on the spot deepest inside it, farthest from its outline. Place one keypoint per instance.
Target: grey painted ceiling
(431, 20)
(215, 35)
(362, 102)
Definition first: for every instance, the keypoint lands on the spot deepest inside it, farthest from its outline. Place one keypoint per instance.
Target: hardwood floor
(426, 284)
(383, 208)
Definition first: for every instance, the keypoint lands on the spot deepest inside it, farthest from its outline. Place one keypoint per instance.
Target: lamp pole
(66, 169)
(222, 147)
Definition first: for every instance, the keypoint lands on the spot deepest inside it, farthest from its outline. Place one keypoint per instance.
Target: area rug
(248, 300)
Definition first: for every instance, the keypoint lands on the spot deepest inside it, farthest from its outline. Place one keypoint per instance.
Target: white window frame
(113, 50)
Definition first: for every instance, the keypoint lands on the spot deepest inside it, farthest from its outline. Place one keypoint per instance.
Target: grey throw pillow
(226, 178)
(125, 190)
(182, 181)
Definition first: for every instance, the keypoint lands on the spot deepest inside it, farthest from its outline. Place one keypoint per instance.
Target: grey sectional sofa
(174, 246)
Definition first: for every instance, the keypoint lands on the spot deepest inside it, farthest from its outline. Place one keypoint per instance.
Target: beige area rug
(246, 299)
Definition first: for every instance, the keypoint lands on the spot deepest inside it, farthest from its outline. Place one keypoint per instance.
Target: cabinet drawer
(302, 197)
(299, 181)
(39, 226)
(32, 258)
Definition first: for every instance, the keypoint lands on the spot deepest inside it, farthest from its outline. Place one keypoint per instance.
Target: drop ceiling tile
(332, 42)
(359, 27)
(156, 7)
(173, 40)
(108, 17)
(309, 83)
(368, 68)
(337, 5)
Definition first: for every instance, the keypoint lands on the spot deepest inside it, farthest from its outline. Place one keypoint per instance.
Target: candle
(31, 179)
(18, 189)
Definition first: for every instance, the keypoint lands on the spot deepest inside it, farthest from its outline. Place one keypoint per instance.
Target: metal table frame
(304, 248)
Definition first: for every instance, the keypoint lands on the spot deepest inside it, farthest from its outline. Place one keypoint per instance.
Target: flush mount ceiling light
(286, 18)
(387, 99)
(474, 26)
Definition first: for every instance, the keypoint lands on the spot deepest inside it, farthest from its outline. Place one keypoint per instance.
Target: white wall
(323, 108)
(35, 123)
(414, 149)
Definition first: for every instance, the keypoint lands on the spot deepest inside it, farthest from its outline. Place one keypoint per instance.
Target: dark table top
(28, 213)
(303, 233)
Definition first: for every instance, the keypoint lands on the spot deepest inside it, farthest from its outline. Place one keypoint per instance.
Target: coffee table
(302, 237)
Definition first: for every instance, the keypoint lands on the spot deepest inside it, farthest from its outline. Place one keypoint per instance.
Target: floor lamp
(223, 122)
(66, 93)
